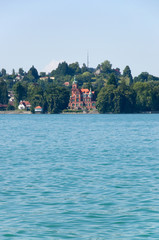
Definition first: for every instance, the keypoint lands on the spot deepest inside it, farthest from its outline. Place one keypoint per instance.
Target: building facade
(81, 98)
(24, 105)
(38, 109)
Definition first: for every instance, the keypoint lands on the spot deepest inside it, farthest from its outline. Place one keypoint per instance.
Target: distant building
(11, 97)
(11, 101)
(38, 109)
(81, 98)
(66, 84)
(27, 105)
(24, 105)
(10, 94)
(46, 78)
(97, 72)
(18, 78)
(21, 106)
(3, 107)
(43, 78)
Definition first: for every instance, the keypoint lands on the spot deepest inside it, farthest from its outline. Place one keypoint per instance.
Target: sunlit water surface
(79, 177)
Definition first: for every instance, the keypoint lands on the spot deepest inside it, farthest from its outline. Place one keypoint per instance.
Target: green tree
(20, 92)
(143, 96)
(116, 71)
(124, 99)
(105, 99)
(84, 78)
(127, 74)
(21, 71)
(84, 68)
(112, 80)
(10, 107)
(116, 100)
(36, 96)
(99, 83)
(87, 85)
(143, 77)
(3, 72)
(74, 68)
(34, 89)
(57, 98)
(155, 98)
(42, 74)
(3, 92)
(106, 67)
(32, 74)
(13, 73)
(61, 70)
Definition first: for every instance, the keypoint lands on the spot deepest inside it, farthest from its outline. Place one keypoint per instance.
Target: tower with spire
(81, 98)
(74, 84)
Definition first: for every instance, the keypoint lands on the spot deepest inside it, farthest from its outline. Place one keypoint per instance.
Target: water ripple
(79, 177)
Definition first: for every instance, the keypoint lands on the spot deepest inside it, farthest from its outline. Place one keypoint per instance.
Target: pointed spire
(90, 93)
(75, 81)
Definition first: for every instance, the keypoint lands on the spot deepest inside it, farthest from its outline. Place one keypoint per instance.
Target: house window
(77, 99)
(81, 104)
(77, 105)
(73, 105)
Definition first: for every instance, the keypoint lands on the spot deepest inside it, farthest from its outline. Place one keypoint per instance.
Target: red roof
(26, 102)
(84, 90)
(3, 105)
(66, 83)
(38, 107)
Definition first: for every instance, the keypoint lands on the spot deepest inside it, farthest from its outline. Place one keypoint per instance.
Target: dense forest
(115, 92)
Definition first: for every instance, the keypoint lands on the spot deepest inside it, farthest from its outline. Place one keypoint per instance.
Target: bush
(10, 107)
(72, 111)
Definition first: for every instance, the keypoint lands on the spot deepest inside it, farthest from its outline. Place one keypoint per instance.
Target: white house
(21, 106)
(24, 105)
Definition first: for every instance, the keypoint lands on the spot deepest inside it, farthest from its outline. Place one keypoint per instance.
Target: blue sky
(44, 32)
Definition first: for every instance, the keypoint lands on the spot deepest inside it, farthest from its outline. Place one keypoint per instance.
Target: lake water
(79, 177)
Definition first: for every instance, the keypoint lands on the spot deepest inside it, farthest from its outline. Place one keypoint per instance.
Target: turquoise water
(79, 177)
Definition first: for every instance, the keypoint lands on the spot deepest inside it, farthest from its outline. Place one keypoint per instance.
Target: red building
(81, 98)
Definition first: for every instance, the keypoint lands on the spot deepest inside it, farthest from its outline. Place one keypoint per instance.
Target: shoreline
(15, 112)
(92, 112)
(28, 112)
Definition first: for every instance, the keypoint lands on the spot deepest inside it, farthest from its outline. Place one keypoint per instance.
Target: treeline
(52, 98)
(136, 98)
(114, 91)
